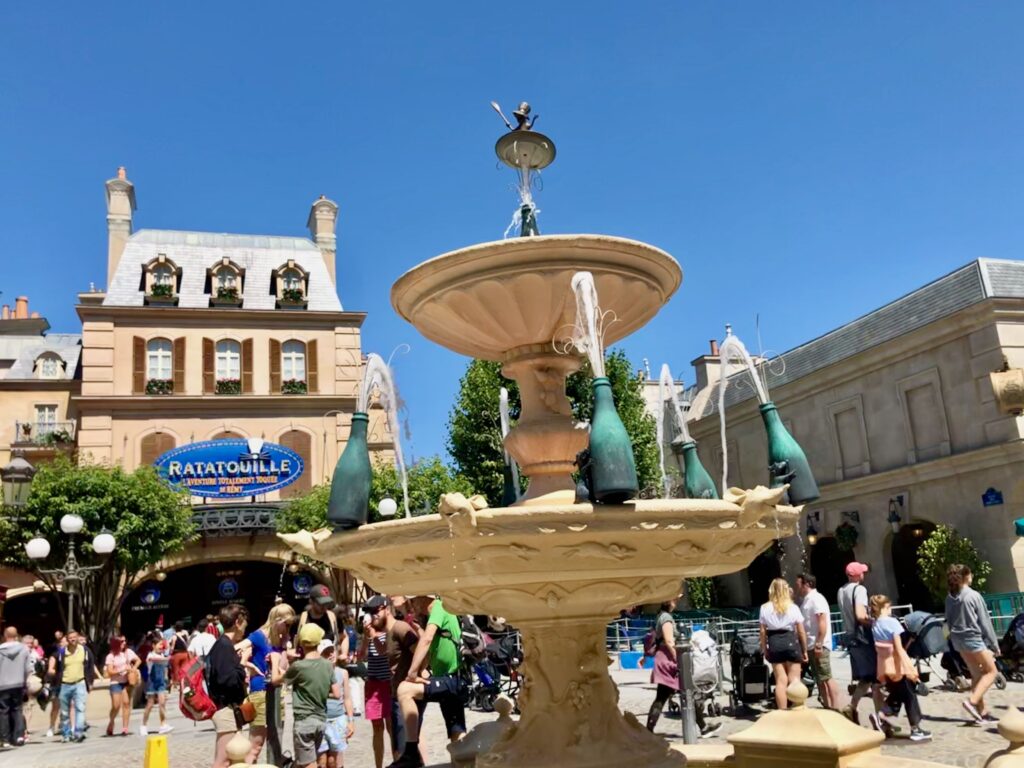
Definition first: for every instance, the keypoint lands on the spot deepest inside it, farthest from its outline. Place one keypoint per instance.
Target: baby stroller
(495, 671)
(925, 638)
(959, 678)
(751, 681)
(707, 677)
(1012, 649)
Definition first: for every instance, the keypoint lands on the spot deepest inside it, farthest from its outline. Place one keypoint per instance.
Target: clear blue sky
(805, 161)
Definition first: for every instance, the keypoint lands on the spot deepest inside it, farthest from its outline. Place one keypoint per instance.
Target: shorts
(156, 685)
(783, 647)
(377, 699)
(116, 687)
(863, 663)
(446, 690)
(258, 699)
(821, 666)
(970, 645)
(307, 735)
(224, 720)
(334, 735)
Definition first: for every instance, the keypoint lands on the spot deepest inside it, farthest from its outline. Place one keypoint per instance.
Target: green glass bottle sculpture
(613, 468)
(786, 460)
(697, 483)
(349, 503)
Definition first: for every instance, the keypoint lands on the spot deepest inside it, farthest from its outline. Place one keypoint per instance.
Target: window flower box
(293, 387)
(229, 386)
(226, 297)
(56, 437)
(292, 298)
(161, 295)
(160, 387)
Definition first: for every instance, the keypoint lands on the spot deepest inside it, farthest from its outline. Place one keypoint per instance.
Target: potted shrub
(292, 298)
(56, 437)
(161, 290)
(160, 387)
(161, 295)
(846, 537)
(226, 297)
(229, 386)
(293, 387)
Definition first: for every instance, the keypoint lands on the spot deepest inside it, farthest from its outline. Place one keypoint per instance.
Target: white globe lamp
(38, 548)
(104, 542)
(71, 524)
(387, 507)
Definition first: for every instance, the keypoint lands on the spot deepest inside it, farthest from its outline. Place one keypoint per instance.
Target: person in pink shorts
(377, 708)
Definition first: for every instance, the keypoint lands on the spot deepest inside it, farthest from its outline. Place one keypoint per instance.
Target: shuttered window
(275, 367)
(312, 379)
(301, 443)
(247, 367)
(153, 445)
(138, 365)
(179, 366)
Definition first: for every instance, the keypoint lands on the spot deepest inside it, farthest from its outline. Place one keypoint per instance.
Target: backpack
(650, 643)
(473, 641)
(194, 694)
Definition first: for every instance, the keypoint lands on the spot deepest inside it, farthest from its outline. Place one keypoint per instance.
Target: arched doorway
(909, 587)
(36, 613)
(828, 564)
(762, 571)
(189, 593)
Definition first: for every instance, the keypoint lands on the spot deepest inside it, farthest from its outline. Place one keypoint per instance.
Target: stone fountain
(555, 569)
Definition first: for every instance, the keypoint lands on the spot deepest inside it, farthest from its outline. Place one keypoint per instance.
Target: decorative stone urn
(556, 570)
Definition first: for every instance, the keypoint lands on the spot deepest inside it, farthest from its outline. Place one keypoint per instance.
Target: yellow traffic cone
(156, 752)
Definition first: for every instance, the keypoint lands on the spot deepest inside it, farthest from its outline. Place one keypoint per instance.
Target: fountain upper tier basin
(557, 561)
(491, 299)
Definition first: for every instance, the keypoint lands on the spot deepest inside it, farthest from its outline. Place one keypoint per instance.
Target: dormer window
(49, 366)
(160, 282)
(226, 282)
(289, 285)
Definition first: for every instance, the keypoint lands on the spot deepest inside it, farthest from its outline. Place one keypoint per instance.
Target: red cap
(856, 569)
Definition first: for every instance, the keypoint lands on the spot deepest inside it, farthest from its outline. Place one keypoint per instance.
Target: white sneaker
(166, 728)
(49, 733)
(143, 731)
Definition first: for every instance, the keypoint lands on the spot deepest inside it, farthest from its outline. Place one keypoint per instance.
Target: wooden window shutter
(301, 443)
(275, 367)
(209, 368)
(179, 366)
(153, 445)
(138, 365)
(247, 367)
(312, 379)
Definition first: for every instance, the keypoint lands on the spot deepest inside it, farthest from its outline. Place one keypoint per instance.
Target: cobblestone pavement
(191, 745)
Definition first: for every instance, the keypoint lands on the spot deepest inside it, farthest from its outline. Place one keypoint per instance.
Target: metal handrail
(43, 432)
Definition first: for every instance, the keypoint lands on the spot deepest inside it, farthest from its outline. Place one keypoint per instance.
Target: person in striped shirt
(377, 708)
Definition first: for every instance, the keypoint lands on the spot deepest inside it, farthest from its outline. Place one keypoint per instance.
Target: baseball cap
(321, 595)
(310, 635)
(325, 645)
(374, 604)
(856, 569)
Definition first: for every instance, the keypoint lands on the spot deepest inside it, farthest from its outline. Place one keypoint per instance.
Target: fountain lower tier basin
(549, 562)
(558, 573)
(491, 299)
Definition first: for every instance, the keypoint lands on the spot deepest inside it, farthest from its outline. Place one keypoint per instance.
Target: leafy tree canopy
(474, 425)
(943, 548)
(149, 520)
(427, 478)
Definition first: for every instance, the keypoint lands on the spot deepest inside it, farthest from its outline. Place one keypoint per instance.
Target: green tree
(149, 520)
(474, 425)
(944, 547)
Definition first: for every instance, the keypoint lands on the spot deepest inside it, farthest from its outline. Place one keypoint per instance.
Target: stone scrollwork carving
(1008, 388)
(684, 548)
(597, 551)
(755, 504)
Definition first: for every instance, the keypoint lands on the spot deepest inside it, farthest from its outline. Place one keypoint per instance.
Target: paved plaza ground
(191, 744)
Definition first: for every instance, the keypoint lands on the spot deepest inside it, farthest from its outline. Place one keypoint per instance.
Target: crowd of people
(406, 651)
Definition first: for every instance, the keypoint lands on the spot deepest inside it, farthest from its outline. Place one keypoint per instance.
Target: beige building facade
(897, 416)
(204, 337)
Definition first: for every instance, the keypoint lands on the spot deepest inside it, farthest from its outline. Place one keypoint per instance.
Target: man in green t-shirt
(439, 649)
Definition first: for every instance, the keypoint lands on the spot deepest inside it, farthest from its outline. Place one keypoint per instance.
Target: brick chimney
(5, 312)
(21, 308)
(708, 368)
(120, 204)
(323, 218)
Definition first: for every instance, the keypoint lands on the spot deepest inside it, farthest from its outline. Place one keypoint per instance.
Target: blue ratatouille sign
(227, 469)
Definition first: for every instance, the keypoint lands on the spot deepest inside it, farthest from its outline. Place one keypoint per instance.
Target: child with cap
(312, 682)
(340, 726)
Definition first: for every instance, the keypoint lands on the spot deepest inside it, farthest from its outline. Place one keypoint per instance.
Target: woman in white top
(783, 639)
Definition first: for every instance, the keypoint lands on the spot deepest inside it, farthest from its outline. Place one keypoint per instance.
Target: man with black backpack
(440, 647)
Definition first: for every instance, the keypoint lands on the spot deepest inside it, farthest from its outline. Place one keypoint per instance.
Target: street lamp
(387, 507)
(894, 518)
(17, 478)
(71, 574)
